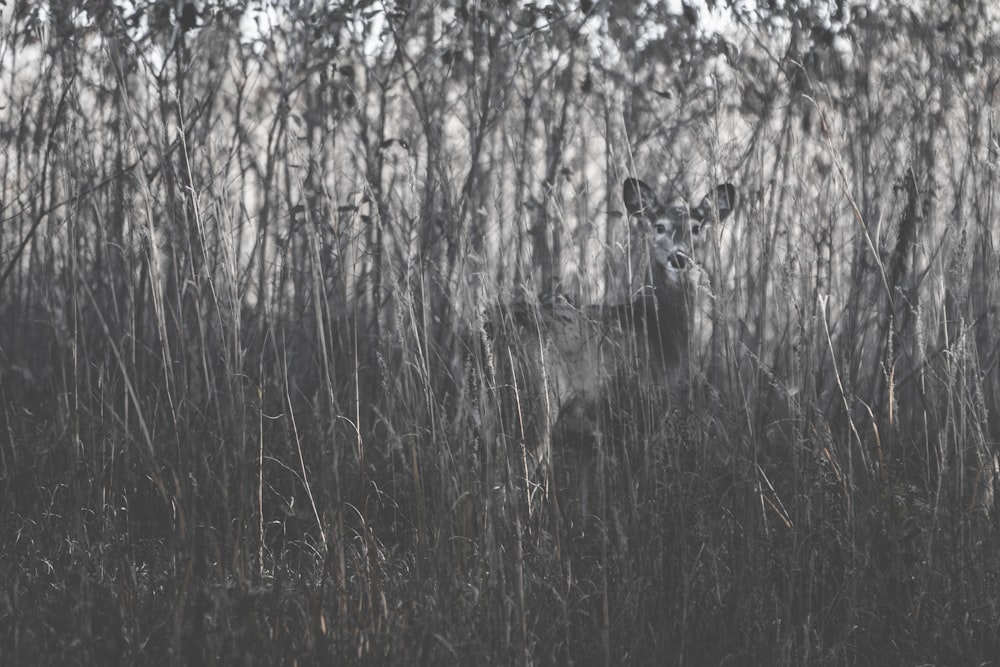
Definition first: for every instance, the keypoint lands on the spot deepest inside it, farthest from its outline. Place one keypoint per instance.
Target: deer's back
(577, 353)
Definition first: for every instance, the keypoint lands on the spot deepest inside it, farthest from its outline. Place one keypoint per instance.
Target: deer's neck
(663, 319)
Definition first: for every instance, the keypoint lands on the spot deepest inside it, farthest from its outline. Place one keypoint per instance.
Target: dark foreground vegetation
(245, 259)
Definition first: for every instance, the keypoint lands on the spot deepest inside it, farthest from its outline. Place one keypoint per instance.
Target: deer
(559, 368)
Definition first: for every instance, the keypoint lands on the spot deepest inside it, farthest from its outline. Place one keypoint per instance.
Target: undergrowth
(247, 414)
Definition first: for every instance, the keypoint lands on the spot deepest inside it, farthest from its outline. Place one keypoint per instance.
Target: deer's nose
(678, 260)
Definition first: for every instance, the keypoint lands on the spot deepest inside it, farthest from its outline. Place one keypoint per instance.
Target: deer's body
(567, 365)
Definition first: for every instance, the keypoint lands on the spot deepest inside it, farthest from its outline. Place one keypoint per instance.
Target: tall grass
(246, 277)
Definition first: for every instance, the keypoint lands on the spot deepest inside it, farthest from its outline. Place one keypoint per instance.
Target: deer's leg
(578, 440)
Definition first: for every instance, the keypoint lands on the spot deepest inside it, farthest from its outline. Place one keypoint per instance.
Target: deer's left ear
(640, 199)
(718, 205)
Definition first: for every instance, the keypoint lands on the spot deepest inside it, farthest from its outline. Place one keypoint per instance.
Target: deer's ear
(725, 200)
(718, 205)
(639, 197)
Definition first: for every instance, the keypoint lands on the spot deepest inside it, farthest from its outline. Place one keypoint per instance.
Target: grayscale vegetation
(499, 333)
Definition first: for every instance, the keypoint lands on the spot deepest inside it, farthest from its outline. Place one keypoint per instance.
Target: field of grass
(246, 271)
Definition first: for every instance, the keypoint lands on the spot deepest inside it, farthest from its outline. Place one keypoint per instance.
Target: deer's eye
(695, 228)
(660, 228)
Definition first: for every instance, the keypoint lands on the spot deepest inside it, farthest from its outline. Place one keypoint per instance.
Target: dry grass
(246, 416)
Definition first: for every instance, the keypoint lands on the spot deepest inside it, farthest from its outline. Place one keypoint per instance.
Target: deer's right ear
(717, 206)
(725, 200)
(639, 197)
